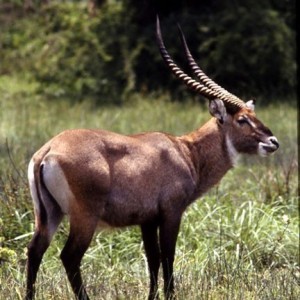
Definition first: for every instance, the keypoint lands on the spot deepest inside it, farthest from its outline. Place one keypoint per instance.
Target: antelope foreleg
(168, 233)
(150, 239)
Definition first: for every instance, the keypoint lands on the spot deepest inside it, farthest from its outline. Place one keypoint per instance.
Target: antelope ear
(217, 109)
(251, 104)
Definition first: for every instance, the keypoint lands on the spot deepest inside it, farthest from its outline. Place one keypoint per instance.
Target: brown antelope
(99, 177)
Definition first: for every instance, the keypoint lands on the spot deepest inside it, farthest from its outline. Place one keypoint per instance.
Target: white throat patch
(232, 152)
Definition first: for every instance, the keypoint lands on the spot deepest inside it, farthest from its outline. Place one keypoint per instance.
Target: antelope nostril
(274, 141)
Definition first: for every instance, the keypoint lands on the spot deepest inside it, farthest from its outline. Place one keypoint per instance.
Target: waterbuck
(147, 179)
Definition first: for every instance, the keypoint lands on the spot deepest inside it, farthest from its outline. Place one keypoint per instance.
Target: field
(240, 241)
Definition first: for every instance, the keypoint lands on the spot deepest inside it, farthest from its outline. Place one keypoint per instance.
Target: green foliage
(248, 47)
(252, 51)
(6, 255)
(64, 53)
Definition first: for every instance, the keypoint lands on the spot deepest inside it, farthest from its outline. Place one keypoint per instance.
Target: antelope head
(236, 118)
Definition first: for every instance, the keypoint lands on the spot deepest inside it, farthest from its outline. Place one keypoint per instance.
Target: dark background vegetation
(106, 50)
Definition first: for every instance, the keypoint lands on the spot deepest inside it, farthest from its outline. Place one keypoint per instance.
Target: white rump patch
(57, 183)
(32, 186)
(232, 152)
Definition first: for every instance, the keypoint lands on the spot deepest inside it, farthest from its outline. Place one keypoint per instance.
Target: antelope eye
(242, 121)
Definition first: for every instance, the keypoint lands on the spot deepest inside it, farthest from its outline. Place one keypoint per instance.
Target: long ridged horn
(203, 77)
(190, 82)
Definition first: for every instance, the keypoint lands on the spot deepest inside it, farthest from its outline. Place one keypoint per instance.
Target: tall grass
(240, 241)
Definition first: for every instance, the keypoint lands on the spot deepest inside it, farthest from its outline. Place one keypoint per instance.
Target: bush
(249, 50)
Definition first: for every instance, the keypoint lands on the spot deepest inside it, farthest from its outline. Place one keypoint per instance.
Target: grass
(240, 241)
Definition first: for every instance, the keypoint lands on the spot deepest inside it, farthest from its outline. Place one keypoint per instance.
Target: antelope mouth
(270, 147)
